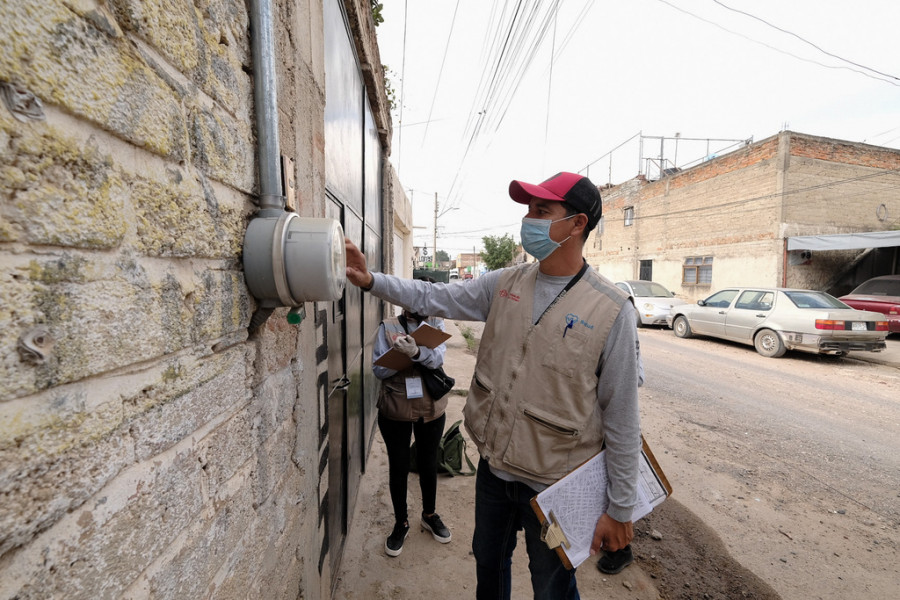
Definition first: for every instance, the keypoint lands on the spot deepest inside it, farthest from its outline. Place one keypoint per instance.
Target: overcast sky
(484, 103)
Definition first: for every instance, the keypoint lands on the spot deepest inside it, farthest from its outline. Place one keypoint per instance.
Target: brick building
(152, 443)
(468, 262)
(739, 219)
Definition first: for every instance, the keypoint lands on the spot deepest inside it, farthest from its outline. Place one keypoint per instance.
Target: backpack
(450, 454)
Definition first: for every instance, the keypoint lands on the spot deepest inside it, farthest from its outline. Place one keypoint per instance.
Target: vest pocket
(567, 353)
(541, 443)
(478, 405)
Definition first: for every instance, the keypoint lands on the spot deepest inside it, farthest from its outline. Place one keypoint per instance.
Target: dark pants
(397, 435)
(502, 508)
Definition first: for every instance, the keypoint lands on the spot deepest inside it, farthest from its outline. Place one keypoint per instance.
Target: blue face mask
(536, 237)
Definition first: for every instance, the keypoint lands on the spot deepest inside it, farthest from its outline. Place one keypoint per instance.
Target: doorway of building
(353, 183)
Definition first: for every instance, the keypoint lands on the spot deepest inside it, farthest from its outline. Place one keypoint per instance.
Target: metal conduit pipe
(271, 199)
(265, 99)
(288, 259)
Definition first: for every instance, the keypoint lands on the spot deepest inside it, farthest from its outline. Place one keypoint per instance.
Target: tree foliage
(499, 251)
(442, 256)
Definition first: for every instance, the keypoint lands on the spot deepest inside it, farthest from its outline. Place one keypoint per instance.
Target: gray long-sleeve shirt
(619, 365)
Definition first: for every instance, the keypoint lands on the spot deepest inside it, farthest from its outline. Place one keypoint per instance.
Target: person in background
(406, 409)
(556, 376)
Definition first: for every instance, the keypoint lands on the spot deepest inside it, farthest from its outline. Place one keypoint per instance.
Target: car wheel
(769, 344)
(681, 327)
(637, 316)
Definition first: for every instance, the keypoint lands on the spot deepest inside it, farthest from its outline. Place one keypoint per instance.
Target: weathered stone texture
(104, 546)
(83, 64)
(182, 216)
(149, 448)
(221, 147)
(65, 444)
(202, 550)
(56, 191)
(278, 347)
(102, 315)
(204, 41)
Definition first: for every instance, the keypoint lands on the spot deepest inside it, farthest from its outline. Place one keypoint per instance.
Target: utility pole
(434, 241)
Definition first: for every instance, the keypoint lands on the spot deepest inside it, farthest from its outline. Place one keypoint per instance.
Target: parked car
(652, 301)
(775, 320)
(879, 294)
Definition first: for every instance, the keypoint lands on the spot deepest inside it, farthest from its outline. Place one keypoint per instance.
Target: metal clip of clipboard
(552, 534)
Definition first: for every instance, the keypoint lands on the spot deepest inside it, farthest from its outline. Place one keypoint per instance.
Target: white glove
(407, 345)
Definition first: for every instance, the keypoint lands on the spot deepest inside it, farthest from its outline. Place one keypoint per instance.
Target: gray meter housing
(289, 259)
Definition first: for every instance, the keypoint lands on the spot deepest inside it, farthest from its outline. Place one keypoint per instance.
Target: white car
(775, 320)
(651, 300)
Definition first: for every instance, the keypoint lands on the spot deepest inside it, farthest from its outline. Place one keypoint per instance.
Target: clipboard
(569, 509)
(425, 335)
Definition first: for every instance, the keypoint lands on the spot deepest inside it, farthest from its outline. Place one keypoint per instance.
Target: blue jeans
(502, 508)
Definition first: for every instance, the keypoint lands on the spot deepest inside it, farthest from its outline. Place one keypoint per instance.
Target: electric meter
(289, 259)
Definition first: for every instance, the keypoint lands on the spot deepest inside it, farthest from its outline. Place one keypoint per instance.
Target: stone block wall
(149, 446)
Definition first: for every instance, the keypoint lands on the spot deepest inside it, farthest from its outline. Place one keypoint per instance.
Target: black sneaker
(394, 544)
(436, 527)
(614, 562)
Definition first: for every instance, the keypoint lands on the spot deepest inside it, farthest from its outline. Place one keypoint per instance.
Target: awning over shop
(845, 241)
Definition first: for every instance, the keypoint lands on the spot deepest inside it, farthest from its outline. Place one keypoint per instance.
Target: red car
(879, 294)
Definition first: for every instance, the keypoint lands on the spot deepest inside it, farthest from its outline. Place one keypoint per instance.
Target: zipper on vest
(551, 425)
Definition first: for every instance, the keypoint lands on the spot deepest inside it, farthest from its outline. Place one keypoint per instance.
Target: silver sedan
(775, 320)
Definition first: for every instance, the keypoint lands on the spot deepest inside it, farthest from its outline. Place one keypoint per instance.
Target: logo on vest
(572, 320)
(506, 294)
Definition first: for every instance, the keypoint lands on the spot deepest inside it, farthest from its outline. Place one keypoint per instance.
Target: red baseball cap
(575, 190)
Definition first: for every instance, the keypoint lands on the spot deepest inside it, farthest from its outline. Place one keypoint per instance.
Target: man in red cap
(556, 378)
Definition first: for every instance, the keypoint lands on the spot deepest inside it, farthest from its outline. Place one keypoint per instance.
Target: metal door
(353, 187)
(337, 414)
(710, 319)
(750, 310)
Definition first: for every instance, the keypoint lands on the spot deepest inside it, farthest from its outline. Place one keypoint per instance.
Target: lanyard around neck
(568, 287)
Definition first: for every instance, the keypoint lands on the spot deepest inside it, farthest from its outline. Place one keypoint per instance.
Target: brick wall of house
(738, 208)
(151, 448)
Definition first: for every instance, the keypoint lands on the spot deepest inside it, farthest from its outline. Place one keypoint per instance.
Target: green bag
(450, 455)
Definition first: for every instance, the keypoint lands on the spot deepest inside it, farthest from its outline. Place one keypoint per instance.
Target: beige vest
(392, 400)
(532, 407)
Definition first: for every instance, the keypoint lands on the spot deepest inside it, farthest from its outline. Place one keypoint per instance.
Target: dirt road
(795, 462)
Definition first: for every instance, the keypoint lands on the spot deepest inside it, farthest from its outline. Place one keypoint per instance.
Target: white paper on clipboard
(579, 499)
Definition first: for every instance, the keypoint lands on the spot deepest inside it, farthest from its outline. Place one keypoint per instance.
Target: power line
(773, 48)
(402, 82)
(522, 35)
(440, 73)
(805, 41)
